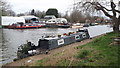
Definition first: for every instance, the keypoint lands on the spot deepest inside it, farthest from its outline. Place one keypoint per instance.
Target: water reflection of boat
(58, 25)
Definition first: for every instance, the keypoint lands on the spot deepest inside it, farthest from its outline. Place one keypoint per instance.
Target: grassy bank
(100, 52)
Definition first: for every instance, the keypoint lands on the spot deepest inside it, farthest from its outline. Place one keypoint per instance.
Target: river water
(12, 38)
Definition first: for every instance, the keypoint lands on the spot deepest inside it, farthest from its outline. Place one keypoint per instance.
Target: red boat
(26, 26)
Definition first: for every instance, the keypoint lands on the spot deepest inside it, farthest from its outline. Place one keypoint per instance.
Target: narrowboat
(51, 42)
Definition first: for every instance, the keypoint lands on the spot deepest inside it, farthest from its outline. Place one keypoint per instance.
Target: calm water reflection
(12, 38)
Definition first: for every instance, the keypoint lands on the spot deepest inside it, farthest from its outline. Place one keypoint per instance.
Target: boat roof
(8, 20)
(52, 38)
(29, 17)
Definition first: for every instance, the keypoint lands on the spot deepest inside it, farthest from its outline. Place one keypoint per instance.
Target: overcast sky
(21, 6)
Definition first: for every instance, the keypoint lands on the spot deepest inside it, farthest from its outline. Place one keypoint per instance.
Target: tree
(76, 16)
(66, 16)
(32, 12)
(10, 12)
(99, 7)
(40, 14)
(52, 11)
(5, 8)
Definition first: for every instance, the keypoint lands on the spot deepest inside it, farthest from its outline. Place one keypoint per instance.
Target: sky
(21, 6)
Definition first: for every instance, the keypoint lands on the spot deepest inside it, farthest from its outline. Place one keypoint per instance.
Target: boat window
(47, 17)
(84, 35)
(60, 42)
(77, 37)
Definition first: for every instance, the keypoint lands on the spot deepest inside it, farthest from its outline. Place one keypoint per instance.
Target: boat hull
(63, 26)
(25, 27)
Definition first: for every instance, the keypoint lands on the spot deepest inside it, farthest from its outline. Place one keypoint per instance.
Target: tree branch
(117, 11)
(103, 7)
(113, 8)
(98, 6)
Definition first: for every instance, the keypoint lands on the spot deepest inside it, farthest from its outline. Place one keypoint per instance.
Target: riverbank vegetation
(100, 52)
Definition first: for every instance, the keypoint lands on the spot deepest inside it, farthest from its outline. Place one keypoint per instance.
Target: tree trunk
(116, 28)
(116, 24)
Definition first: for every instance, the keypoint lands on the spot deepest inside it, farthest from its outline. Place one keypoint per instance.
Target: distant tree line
(74, 17)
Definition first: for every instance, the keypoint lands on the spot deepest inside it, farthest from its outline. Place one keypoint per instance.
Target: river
(12, 38)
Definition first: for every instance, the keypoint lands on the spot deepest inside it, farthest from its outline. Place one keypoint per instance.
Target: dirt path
(66, 52)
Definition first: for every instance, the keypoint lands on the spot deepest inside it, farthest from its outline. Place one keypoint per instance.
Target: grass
(40, 62)
(63, 62)
(99, 52)
(83, 54)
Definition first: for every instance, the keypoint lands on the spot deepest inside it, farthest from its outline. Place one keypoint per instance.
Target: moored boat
(57, 22)
(63, 26)
(47, 43)
(86, 25)
(25, 26)
(77, 25)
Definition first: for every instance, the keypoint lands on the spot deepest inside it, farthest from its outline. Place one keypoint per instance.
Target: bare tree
(40, 14)
(76, 16)
(5, 8)
(66, 16)
(10, 13)
(99, 7)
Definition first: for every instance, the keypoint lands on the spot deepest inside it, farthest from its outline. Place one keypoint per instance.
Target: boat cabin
(31, 19)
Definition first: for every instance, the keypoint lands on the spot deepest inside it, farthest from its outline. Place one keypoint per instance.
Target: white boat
(77, 25)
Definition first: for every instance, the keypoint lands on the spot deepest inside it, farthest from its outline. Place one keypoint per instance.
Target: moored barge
(48, 43)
